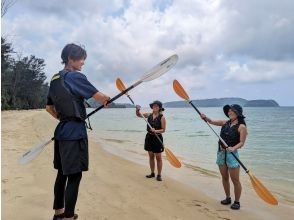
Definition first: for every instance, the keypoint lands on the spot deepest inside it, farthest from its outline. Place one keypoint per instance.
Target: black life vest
(156, 123)
(230, 134)
(68, 106)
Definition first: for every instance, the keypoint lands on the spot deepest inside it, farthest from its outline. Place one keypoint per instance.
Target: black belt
(88, 125)
(71, 119)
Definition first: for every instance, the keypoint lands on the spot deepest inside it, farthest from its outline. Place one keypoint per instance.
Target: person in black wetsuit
(234, 133)
(152, 144)
(65, 102)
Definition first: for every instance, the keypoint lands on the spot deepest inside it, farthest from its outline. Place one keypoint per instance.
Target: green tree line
(23, 83)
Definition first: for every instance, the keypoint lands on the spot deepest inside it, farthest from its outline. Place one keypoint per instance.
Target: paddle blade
(160, 69)
(120, 85)
(33, 153)
(173, 160)
(262, 191)
(180, 90)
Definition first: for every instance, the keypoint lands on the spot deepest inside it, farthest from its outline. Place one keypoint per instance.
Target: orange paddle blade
(180, 90)
(262, 191)
(172, 158)
(120, 85)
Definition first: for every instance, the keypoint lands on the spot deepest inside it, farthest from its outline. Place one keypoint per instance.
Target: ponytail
(241, 120)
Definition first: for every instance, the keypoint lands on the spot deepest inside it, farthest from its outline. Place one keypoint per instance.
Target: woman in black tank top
(234, 133)
(152, 144)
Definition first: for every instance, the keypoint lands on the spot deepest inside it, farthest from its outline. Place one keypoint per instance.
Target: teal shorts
(231, 162)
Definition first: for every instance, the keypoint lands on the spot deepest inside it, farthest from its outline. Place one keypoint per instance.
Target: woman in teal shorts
(234, 133)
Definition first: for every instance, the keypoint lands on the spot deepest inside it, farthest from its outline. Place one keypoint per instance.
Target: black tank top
(230, 134)
(156, 123)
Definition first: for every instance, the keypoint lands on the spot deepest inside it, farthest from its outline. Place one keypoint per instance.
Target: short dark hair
(74, 52)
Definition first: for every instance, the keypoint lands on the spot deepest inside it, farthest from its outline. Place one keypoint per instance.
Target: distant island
(199, 103)
(223, 101)
(91, 103)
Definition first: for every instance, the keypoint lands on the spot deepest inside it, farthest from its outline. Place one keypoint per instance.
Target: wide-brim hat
(235, 108)
(159, 103)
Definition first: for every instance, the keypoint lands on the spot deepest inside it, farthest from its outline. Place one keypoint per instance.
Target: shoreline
(114, 146)
(113, 188)
(197, 177)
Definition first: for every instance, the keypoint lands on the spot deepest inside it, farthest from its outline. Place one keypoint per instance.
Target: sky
(226, 48)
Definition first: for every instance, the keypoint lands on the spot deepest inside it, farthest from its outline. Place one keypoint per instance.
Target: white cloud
(259, 29)
(216, 40)
(259, 71)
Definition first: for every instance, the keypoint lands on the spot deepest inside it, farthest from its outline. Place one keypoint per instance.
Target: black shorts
(71, 156)
(153, 144)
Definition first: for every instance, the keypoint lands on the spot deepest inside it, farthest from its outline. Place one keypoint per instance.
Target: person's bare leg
(234, 174)
(159, 163)
(225, 179)
(59, 211)
(151, 161)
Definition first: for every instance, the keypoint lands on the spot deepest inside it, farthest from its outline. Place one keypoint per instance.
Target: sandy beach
(113, 188)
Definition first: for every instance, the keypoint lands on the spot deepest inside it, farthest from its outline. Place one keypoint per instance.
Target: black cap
(235, 108)
(159, 103)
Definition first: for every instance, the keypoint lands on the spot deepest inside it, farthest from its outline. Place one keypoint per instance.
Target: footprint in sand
(223, 218)
(190, 203)
(207, 211)
(202, 208)
(195, 200)
(12, 149)
(222, 210)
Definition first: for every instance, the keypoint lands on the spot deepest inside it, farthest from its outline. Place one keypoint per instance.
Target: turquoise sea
(269, 149)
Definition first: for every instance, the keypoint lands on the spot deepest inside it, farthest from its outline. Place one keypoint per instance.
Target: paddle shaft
(115, 97)
(145, 119)
(242, 165)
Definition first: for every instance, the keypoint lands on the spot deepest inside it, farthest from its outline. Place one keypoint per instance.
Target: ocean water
(268, 152)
